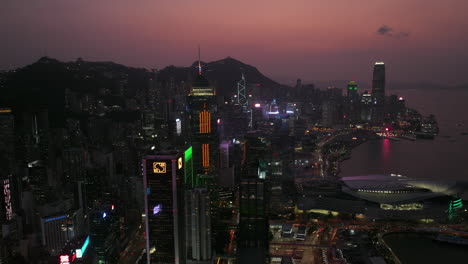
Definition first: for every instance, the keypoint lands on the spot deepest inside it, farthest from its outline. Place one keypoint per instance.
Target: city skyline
(242, 132)
(311, 41)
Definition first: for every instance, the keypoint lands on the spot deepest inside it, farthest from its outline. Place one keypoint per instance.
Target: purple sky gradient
(308, 39)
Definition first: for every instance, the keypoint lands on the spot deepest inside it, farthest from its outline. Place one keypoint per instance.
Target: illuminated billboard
(64, 259)
(159, 167)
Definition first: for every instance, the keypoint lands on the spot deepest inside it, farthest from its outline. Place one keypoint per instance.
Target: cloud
(388, 31)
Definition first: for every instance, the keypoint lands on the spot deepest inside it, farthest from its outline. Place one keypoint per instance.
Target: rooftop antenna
(199, 63)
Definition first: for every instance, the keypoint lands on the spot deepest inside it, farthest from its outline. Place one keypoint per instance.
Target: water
(416, 248)
(445, 157)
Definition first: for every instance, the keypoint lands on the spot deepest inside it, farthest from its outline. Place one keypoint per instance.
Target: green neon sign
(188, 164)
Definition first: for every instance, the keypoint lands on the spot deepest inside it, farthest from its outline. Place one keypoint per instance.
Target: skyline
(286, 42)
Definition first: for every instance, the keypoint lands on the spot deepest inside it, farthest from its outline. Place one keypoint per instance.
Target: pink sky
(308, 39)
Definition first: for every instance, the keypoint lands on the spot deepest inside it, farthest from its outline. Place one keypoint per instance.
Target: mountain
(224, 74)
(42, 85)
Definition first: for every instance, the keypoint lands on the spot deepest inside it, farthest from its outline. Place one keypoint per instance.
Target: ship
(429, 128)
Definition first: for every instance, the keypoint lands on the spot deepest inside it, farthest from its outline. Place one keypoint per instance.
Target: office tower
(352, 92)
(7, 139)
(226, 165)
(378, 93)
(56, 232)
(352, 104)
(163, 177)
(253, 225)
(104, 233)
(378, 83)
(330, 114)
(203, 116)
(366, 106)
(198, 225)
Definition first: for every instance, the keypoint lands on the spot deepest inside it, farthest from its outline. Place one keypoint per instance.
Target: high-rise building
(203, 116)
(253, 224)
(378, 83)
(198, 225)
(7, 139)
(104, 233)
(352, 105)
(366, 106)
(378, 93)
(164, 208)
(352, 92)
(56, 233)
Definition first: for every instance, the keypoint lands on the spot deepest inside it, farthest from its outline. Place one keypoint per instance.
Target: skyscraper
(378, 93)
(252, 241)
(164, 200)
(352, 112)
(352, 92)
(378, 83)
(203, 116)
(7, 139)
(198, 225)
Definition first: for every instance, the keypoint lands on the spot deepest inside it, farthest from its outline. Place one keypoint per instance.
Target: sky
(419, 40)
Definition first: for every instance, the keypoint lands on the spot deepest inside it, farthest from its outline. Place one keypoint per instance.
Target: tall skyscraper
(378, 93)
(352, 106)
(203, 116)
(104, 233)
(164, 207)
(352, 92)
(253, 223)
(198, 225)
(378, 83)
(7, 139)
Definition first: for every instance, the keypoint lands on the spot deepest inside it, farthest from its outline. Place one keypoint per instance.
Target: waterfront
(420, 248)
(442, 158)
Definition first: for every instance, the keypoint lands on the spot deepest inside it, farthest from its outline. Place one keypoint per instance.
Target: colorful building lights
(157, 209)
(205, 155)
(55, 218)
(204, 122)
(81, 251)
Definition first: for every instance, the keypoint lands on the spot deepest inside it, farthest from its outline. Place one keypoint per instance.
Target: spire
(199, 64)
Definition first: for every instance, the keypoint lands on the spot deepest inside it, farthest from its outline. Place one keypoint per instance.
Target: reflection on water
(416, 248)
(385, 150)
(442, 158)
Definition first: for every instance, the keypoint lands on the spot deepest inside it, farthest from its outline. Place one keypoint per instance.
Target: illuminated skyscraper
(378, 93)
(104, 233)
(164, 200)
(378, 83)
(352, 92)
(203, 116)
(198, 225)
(352, 104)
